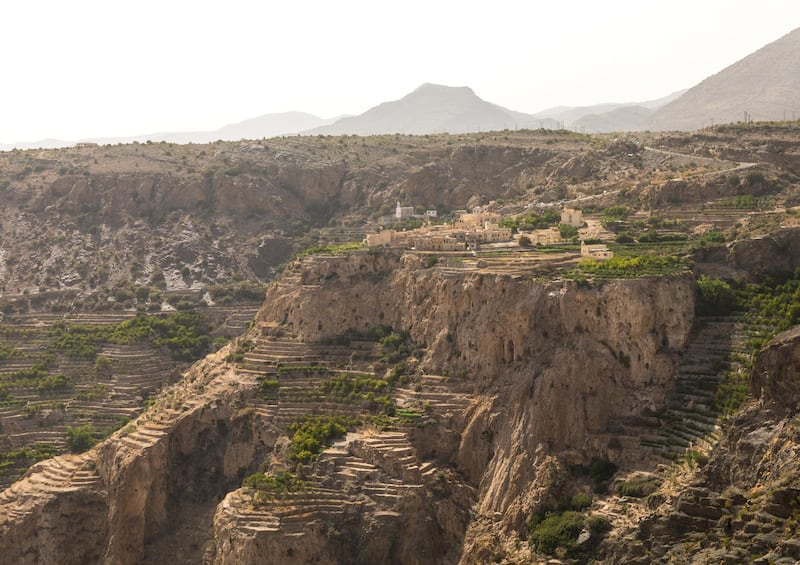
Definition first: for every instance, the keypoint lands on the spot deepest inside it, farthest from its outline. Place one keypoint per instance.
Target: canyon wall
(553, 364)
(549, 368)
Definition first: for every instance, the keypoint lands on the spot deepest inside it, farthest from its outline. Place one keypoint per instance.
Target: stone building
(596, 250)
(572, 217)
(403, 212)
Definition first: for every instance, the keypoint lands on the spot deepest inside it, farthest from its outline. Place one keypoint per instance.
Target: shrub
(715, 296)
(556, 530)
(80, 438)
(533, 221)
(598, 524)
(525, 241)
(638, 487)
(280, 483)
(566, 231)
(580, 501)
(54, 383)
(601, 470)
(311, 435)
(754, 177)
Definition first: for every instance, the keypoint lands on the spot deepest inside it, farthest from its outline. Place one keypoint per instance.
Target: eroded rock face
(741, 505)
(778, 252)
(775, 378)
(555, 362)
(550, 367)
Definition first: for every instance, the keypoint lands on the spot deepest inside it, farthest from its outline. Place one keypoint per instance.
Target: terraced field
(58, 396)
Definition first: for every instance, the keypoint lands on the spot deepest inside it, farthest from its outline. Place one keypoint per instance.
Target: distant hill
(272, 125)
(268, 125)
(434, 108)
(765, 84)
(607, 117)
(624, 118)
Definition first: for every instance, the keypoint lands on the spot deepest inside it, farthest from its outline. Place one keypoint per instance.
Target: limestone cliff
(742, 505)
(551, 363)
(518, 377)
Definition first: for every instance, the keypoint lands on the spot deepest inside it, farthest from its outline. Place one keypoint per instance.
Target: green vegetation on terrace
(359, 388)
(340, 249)
(629, 267)
(310, 436)
(638, 487)
(281, 483)
(532, 221)
(25, 456)
(245, 291)
(85, 436)
(770, 304)
(184, 333)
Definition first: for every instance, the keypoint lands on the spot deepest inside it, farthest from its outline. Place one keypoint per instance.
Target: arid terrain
(512, 404)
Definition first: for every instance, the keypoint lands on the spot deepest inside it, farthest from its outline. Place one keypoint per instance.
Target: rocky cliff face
(552, 363)
(538, 373)
(742, 505)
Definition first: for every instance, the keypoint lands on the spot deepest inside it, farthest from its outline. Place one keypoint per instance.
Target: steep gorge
(538, 373)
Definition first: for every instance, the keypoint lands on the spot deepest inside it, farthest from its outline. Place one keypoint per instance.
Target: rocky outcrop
(775, 378)
(527, 345)
(741, 506)
(775, 253)
(538, 372)
(135, 489)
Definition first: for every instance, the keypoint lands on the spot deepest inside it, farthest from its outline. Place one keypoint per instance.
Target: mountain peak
(433, 108)
(763, 86)
(429, 87)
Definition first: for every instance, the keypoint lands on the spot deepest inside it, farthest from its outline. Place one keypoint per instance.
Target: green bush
(623, 237)
(80, 438)
(556, 530)
(532, 221)
(281, 483)
(598, 524)
(580, 501)
(638, 487)
(600, 470)
(715, 297)
(54, 383)
(566, 231)
(311, 435)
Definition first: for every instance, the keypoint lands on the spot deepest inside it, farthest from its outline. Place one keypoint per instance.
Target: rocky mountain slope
(193, 216)
(763, 86)
(478, 439)
(434, 108)
(401, 407)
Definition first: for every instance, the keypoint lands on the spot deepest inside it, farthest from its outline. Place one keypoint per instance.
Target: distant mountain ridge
(765, 85)
(434, 108)
(268, 125)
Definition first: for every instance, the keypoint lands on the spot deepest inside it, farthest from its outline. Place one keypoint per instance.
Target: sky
(87, 68)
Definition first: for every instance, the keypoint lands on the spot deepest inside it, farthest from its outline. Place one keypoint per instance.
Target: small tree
(80, 438)
(525, 241)
(566, 231)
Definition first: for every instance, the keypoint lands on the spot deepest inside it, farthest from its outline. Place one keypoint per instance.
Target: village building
(572, 217)
(384, 237)
(473, 220)
(468, 232)
(431, 213)
(403, 212)
(596, 250)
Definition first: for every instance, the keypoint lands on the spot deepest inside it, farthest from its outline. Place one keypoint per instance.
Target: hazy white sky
(91, 68)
